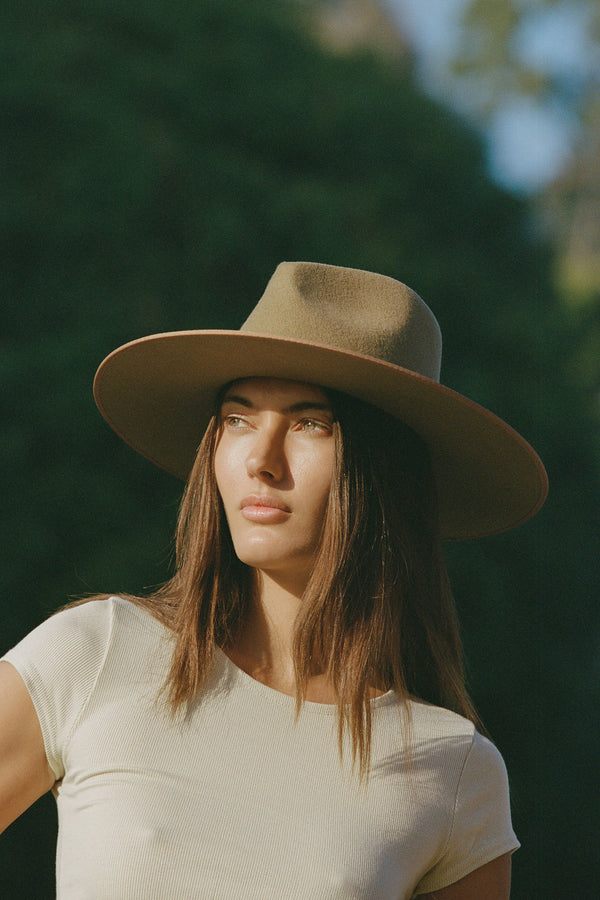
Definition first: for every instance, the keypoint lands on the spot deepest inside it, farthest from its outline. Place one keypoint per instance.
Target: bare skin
(24, 770)
(489, 882)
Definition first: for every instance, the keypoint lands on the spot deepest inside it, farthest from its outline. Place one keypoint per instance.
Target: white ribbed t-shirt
(236, 800)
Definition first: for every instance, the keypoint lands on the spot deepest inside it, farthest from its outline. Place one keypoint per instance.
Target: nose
(266, 458)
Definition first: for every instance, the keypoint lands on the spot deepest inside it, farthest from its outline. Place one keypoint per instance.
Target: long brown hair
(377, 611)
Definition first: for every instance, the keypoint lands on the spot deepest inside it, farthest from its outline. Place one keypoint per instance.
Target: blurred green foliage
(158, 161)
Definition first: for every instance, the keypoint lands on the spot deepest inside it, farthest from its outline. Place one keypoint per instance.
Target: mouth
(262, 508)
(265, 502)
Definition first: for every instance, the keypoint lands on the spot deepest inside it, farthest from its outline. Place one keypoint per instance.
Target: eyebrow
(301, 406)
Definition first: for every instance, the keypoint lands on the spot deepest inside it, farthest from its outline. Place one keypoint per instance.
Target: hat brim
(159, 392)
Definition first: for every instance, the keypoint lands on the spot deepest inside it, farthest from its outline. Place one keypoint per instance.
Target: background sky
(530, 140)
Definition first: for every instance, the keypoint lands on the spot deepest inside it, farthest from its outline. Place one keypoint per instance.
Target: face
(274, 465)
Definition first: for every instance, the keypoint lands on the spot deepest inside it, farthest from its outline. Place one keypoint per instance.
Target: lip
(263, 500)
(262, 508)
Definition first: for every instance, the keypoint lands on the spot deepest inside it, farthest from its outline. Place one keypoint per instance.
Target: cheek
(321, 477)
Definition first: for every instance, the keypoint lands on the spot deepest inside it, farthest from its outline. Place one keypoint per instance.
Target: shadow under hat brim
(159, 392)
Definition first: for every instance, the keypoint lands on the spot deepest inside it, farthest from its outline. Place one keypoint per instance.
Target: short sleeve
(60, 661)
(481, 826)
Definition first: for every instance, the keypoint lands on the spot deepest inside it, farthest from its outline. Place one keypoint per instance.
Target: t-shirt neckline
(283, 699)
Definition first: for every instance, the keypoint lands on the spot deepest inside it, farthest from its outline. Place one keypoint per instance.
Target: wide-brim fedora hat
(365, 334)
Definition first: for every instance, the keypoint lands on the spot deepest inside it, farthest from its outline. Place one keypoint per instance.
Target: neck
(264, 648)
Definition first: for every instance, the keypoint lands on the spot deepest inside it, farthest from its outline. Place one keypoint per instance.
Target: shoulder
(81, 627)
(62, 660)
(473, 783)
(456, 738)
(443, 736)
(70, 647)
(77, 628)
(448, 747)
(483, 781)
(436, 721)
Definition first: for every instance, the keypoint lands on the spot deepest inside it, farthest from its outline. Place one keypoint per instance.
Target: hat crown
(351, 310)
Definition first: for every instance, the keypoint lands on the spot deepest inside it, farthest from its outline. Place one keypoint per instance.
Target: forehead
(275, 392)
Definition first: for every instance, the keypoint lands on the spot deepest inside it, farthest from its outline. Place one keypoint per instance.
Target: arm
(491, 881)
(24, 770)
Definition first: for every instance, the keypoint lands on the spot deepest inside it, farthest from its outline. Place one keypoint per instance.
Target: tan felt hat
(353, 331)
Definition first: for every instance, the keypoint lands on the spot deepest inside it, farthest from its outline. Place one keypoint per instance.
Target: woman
(287, 717)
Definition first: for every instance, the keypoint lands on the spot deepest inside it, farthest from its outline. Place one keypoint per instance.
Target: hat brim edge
(157, 394)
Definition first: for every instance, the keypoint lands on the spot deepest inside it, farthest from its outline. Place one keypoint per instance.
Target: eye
(233, 421)
(313, 425)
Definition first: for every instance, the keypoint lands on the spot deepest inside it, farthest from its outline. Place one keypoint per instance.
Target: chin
(265, 561)
(283, 564)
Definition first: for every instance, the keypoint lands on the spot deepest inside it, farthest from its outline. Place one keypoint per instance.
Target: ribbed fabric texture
(236, 801)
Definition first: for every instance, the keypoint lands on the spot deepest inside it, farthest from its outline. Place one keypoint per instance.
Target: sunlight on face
(274, 465)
